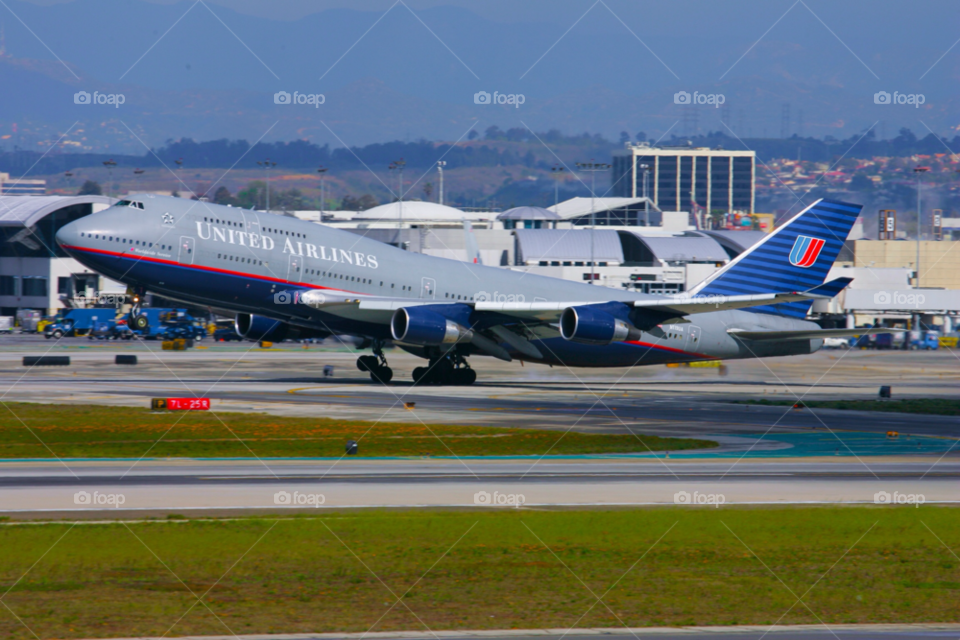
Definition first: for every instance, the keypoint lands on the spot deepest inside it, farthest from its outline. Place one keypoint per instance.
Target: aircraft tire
(443, 373)
(368, 363)
(382, 374)
(465, 377)
(141, 322)
(418, 374)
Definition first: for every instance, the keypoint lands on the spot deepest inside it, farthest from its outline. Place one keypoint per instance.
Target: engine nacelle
(424, 327)
(589, 325)
(260, 329)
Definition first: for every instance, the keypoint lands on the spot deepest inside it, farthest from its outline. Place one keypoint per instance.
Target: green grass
(932, 406)
(89, 431)
(493, 570)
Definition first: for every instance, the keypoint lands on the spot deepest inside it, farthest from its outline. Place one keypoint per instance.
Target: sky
(394, 69)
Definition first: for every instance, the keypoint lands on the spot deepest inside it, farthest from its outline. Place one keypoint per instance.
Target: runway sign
(180, 404)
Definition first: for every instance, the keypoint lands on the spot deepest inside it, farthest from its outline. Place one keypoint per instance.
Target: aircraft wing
(380, 309)
(760, 336)
(671, 307)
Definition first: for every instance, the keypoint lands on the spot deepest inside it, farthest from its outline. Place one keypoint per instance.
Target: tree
(222, 196)
(473, 135)
(427, 190)
(624, 137)
(367, 202)
(493, 132)
(641, 136)
(254, 195)
(90, 188)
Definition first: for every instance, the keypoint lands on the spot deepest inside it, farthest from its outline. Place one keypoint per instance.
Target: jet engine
(424, 327)
(261, 329)
(589, 325)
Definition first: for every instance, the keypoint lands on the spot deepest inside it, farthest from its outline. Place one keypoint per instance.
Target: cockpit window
(130, 203)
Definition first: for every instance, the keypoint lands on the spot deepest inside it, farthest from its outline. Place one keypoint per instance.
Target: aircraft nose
(69, 234)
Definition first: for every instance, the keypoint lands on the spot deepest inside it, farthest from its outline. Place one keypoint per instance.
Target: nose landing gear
(376, 364)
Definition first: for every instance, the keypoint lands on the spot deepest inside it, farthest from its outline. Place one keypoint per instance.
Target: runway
(275, 485)
(767, 454)
(654, 400)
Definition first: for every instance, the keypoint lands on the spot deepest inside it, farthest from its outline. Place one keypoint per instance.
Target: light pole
(266, 164)
(322, 171)
(592, 167)
(398, 166)
(136, 177)
(919, 171)
(179, 163)
(109, 164)
(557, 172)
(440, 165)
(645, 168)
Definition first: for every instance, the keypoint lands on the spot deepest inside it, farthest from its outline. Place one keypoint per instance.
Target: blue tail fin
(795, 257)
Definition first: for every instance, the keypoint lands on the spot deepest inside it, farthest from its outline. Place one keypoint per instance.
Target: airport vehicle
(226, 335)
(836, 343)
(888, 341)
(77, 322)
(288, 278)
(927, 340)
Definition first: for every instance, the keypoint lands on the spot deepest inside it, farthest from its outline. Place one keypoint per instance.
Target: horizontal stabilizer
(830, 289)
(804, 334)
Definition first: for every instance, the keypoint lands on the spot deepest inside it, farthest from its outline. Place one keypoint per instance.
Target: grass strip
(930, 406)
(481, 570)
(89, 431)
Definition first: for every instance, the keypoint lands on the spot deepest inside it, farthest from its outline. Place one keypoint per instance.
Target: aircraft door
(252, 222)
(187, 249)
(294, 264)
(692, 341)
(428, 288)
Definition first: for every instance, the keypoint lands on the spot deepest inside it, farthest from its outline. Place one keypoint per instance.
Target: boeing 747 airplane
(285, 278)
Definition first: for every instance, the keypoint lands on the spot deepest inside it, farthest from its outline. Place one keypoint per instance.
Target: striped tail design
(795, 257)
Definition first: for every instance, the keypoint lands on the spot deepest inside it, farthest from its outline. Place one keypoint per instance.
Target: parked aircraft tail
(795, 257)
(473, 247)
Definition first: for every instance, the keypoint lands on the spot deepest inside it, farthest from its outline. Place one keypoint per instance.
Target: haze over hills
(410, 70)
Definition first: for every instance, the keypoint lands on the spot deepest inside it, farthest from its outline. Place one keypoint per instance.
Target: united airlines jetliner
(287, 278)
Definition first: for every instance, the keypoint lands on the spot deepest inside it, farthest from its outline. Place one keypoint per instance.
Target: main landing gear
(376, 364)
(450, 369)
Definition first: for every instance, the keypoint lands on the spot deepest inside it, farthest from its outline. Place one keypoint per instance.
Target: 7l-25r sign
(180, 404)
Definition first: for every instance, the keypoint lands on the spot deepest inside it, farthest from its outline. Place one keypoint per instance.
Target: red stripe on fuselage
(173, 263)
(670, 349)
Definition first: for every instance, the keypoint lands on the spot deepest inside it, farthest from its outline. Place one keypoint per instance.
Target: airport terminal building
(35, 273)
(687, 178)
